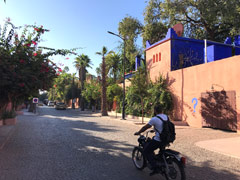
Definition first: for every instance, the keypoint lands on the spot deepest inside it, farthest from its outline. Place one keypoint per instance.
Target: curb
(6, 133)
(138, 121)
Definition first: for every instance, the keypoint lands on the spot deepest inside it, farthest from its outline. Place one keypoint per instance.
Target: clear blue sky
(74, 23)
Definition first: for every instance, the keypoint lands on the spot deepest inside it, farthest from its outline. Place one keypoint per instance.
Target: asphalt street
(72, 145)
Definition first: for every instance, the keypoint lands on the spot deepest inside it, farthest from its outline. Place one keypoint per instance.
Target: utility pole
(123, 64)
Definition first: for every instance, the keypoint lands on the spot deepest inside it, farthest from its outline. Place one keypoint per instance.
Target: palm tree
(81, 63)
(113, 62)
(104, 88)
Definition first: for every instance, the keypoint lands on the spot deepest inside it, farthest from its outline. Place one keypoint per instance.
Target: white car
(50, 103)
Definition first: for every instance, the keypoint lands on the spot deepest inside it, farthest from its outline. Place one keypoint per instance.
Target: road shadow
(73, 148)
(205, 170)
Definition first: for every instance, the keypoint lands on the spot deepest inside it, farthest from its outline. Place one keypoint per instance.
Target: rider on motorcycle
(156, 141)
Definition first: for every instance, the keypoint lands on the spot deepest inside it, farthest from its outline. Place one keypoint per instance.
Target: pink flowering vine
(34, 43)
(28, 45)
(21, 84)
(36, 29)
(22, 61)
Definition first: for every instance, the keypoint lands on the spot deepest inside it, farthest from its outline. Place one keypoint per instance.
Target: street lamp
(124, 45)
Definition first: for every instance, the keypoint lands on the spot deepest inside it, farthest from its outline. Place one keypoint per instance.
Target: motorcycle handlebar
(146, 132)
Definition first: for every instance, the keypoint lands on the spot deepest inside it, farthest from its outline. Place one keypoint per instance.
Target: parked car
(40, 104)
(45, 101)
(60, 105)
(50, 103)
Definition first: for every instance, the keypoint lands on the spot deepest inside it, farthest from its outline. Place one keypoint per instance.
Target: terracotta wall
(163, 66)
(189, 83)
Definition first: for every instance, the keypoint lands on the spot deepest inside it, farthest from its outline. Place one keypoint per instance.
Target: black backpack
(168, 134)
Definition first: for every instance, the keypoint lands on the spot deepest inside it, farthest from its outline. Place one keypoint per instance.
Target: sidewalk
(225, 146)
(5, 134)
(7, 131)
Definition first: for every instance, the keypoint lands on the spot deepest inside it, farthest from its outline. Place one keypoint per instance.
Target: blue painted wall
(186, 52)
(137, 62)
(237, 51)
(237, 40)
(127, 76)
(217, 52)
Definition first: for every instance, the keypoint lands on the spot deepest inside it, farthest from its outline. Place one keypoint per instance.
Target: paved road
(70, 145)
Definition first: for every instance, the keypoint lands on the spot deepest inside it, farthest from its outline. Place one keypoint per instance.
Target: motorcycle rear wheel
(138, 159)
(176, 170)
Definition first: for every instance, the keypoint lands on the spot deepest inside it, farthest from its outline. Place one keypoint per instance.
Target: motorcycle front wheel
(176, 170)
(138, 158)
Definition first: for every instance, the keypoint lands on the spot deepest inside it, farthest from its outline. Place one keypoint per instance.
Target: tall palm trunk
(82, 69)
(104, 96)
(81, 63)
(142, 109)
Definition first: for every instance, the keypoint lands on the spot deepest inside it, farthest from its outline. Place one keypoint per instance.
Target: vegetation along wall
(205, 94)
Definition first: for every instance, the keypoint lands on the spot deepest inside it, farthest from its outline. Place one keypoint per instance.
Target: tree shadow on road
(205, 170)
(80, 149)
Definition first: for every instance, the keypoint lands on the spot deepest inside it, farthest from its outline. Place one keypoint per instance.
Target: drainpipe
(205, 50)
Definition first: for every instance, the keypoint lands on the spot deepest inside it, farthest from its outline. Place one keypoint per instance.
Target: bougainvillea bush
(25, 67)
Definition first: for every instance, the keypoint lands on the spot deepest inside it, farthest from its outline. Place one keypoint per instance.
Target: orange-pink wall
(189, 83)
(162, 66)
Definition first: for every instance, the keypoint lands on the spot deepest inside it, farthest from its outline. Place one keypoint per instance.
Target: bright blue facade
(186, 52)
(217, 52)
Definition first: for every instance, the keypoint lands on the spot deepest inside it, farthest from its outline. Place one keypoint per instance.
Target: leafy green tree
(154, 28)
(81, 63)
(214, 20)
(137, 93)
(61, 85)
(160, 94)
(130, 28)
(113, 63)
(114, 92)
(92, 92)
(99, 70)
(24, 68)
(104, 85)
(73, 92)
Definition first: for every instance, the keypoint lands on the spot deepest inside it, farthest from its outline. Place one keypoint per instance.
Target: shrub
(8, 114)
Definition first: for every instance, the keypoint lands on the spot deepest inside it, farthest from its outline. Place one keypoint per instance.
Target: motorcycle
(171, 163)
